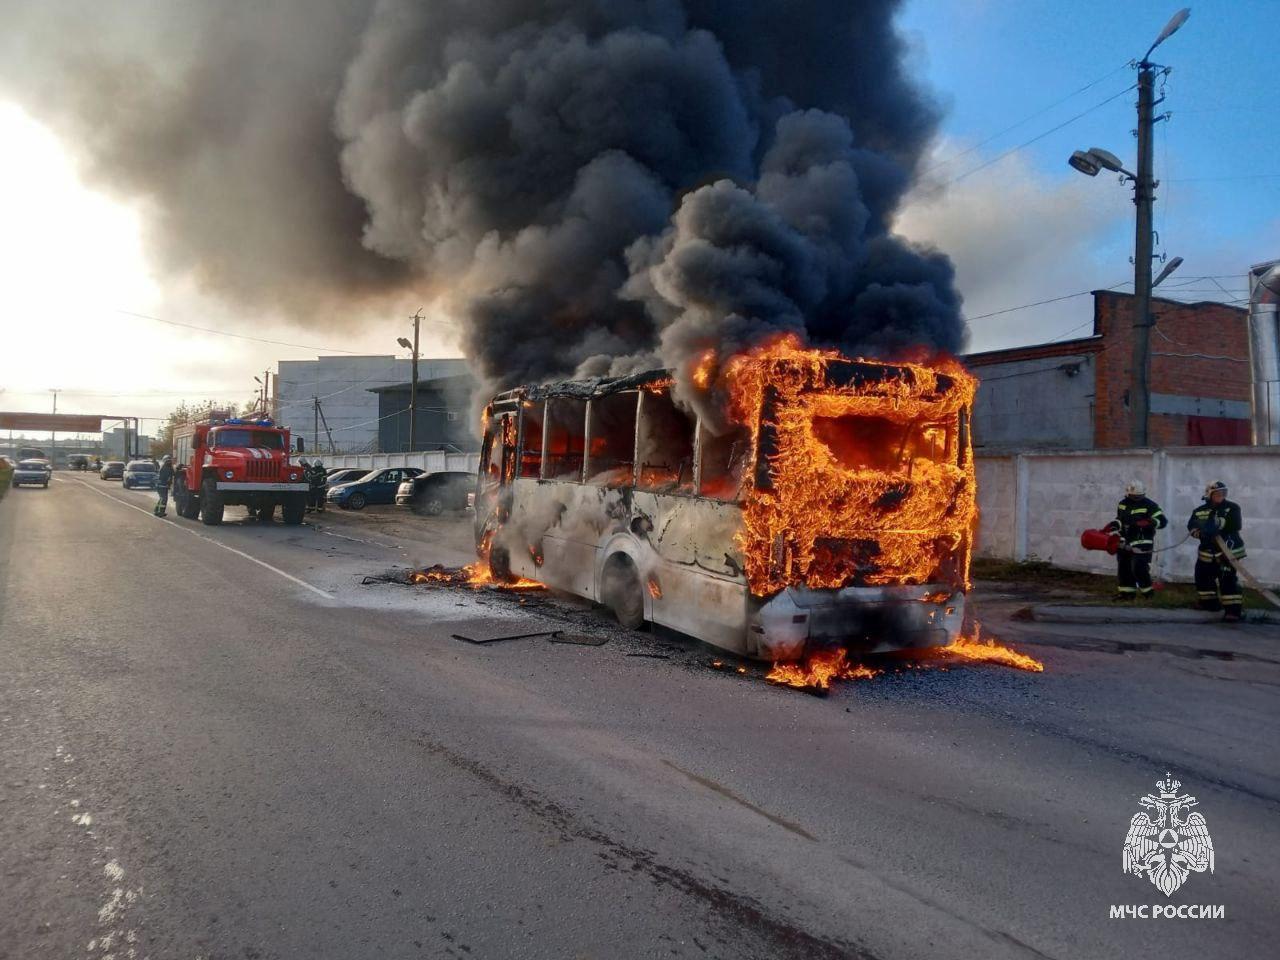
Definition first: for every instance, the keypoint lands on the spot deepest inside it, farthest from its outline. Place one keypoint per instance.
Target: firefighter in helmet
(1217, 523)
(319, 480)
(1138, 517)
(164, 478)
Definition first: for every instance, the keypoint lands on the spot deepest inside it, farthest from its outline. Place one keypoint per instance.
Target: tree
(186, 413)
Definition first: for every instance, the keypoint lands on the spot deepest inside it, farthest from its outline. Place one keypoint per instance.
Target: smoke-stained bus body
(837, 513)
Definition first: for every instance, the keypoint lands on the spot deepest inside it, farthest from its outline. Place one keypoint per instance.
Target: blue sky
(993, 63)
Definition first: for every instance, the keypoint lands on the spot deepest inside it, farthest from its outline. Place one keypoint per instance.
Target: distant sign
(53, 422)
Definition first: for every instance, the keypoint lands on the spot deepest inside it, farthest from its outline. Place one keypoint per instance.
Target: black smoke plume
(587, 185)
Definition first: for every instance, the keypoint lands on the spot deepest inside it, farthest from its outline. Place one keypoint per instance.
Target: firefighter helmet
(1135, 488)
(166, 459)
(1216, 487)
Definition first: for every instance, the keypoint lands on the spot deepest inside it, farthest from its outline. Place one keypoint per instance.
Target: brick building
(1074, 394)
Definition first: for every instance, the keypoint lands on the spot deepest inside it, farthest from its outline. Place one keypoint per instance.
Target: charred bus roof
(840, 374)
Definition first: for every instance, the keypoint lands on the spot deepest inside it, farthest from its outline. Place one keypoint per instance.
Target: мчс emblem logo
(1167, 843)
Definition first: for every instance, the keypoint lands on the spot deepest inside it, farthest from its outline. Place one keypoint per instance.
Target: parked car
(434, 493)
(77, 461)
(33, 473)
(376, 486)
(139, 473)
(345, 474)
(112, 470)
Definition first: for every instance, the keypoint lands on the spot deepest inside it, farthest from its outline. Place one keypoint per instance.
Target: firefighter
(1217, 587)
(164, 478)
(1138, 517)
(319, 485)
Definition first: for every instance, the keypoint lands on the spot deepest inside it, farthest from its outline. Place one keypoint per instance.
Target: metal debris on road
(514, 636)
(578, 639)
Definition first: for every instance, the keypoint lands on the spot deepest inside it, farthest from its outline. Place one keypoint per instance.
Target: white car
(35, 473)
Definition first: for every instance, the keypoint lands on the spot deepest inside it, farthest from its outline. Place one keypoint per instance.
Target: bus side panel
(561, 523)
(701, 593)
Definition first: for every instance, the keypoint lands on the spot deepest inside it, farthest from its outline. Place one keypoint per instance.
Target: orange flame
(866, 483)
(655, 588)
(976, 649)
(819, 670)
(704, 368)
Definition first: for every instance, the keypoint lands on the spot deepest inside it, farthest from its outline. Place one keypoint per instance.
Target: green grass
(1093, 587)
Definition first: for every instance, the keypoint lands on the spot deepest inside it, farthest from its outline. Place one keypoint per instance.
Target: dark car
(434, 493)
(112, 470)
(344, 474)
(139, 473)
(376, 486)
(77, 461)
(33, 473)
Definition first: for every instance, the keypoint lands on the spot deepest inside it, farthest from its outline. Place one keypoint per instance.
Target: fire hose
(1113, 543)
(1241, 569)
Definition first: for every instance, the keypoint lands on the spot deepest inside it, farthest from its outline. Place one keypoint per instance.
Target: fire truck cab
(232, 461)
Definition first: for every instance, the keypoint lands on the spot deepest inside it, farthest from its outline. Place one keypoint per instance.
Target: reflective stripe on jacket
(1137, 520)
(1218, 520)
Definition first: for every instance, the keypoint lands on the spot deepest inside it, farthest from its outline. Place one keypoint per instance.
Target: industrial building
(327, 401)
(1074, 394)
(443, 421)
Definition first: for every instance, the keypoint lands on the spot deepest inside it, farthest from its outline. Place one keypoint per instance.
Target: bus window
(531, 450)
(612, 440)
(566, 426)
(722, 460)
(880, 444)
(492, 453)
(665, 445)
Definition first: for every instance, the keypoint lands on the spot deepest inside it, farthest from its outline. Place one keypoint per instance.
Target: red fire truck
(220, 462)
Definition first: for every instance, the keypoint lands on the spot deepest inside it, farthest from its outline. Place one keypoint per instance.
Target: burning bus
(835, 511)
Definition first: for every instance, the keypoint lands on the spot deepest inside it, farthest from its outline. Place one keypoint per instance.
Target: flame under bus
(837, 512)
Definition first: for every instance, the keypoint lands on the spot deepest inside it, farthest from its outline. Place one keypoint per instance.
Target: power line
(1037, 138)
(1239, 176)
(237, 336)
(1026, 119)
(1039, 303)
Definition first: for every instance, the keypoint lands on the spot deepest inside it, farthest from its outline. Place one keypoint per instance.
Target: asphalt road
(217, 743)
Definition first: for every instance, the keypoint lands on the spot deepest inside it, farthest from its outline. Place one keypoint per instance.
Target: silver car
(35, 473)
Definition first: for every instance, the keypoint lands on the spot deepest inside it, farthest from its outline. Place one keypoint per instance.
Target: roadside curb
(1063, 613)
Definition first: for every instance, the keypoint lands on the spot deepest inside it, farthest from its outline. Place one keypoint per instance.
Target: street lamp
(1169, 267)
(1090, 162)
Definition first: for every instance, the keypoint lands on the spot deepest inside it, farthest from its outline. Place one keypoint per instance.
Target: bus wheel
(500, 565)
(622, 592)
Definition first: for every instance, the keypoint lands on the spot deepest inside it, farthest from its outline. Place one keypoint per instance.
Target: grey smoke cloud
(587, 184)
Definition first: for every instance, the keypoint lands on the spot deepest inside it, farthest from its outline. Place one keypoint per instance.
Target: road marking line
(216, 543)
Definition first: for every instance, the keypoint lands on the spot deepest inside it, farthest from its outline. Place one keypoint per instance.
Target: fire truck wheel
(211, 505)
(295, 508)
(622, 592)
(266, 513)
(356, 501)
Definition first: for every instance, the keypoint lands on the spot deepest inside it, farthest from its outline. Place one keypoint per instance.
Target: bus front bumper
(862, 620)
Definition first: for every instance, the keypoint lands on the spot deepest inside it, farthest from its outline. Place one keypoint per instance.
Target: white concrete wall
(1034, 506)
(432, 461)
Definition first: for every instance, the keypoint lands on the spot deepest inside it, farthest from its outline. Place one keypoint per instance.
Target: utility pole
(315, 422)
(1143, 197)
(53, 439)
(413, 386)
(1090, 162)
